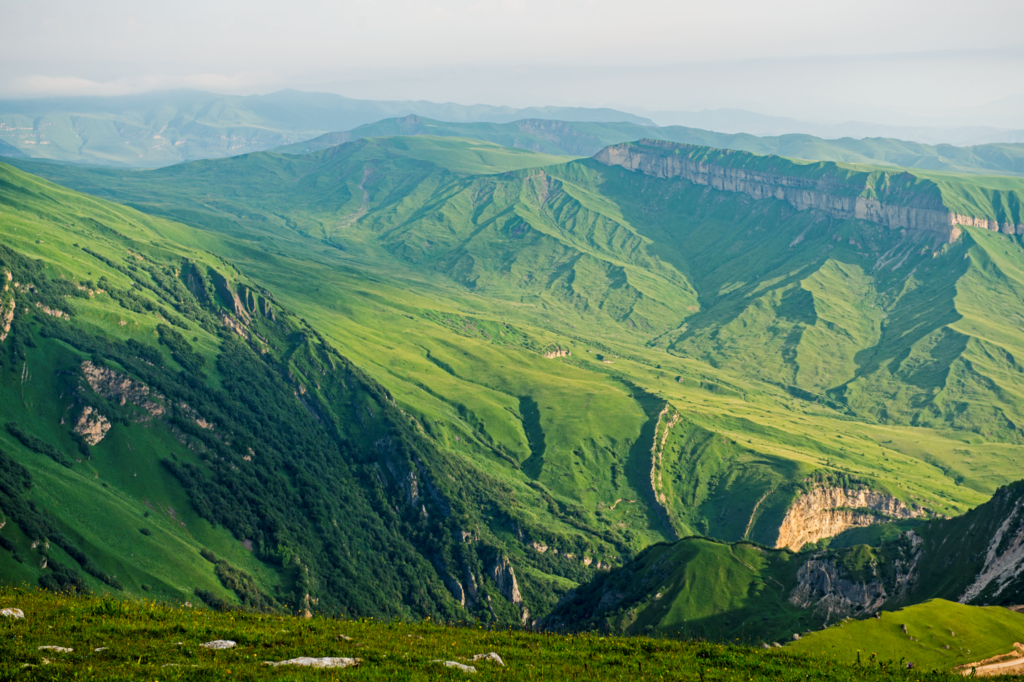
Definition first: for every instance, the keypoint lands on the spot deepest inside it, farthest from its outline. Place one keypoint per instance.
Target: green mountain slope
(586, 138)
(158, 403)
(624, 358)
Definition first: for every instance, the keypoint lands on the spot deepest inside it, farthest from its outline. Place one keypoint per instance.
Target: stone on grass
(795, 636)
(345, 638)
(318, 662)
(218, 644)
(458, 666)
(100, 648)
(492, 656)
(58, 649)
(12, 613)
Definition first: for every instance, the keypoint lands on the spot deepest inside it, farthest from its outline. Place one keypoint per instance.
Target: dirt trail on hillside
(994, 666)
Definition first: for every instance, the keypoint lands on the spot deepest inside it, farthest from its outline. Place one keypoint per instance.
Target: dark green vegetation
(587, 138)
(158, 129)
(939, 634)
(144, 640)
(417, 367)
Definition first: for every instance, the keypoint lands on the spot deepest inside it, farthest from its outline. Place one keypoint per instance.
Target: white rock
(492, 656)
(218, 644)
(58, 649)
(458, 666)
(12, 613)
(101, 648)
(318, 662)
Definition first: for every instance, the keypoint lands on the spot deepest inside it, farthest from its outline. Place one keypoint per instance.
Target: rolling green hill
(586, 138)
(935, 634)
(579, 360)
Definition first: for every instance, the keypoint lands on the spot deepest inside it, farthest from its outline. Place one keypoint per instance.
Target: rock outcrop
(917, 211)
(92, 426)
(825, 512)
(310, 662)
(829, 590)
(121, 388)
(6, 306)
(504, 577)
(53, 312)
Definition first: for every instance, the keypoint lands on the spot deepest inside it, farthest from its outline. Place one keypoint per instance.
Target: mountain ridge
(587, 139)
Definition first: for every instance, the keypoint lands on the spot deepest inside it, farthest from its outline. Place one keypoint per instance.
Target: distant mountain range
(587, 138)
(163, 128)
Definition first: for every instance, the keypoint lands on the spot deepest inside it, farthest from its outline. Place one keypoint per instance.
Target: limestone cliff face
(825, 512)
(836, 199)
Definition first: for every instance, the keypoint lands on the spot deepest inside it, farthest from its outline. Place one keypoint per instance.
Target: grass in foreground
(148, 640)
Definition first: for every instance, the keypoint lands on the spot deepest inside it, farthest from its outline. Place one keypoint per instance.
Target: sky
(900, 62)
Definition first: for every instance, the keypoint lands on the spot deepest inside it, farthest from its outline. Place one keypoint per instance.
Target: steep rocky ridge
(894, 200)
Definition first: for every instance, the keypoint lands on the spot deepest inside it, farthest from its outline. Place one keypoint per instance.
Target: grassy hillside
(620, 264)
(938, 634)
(246, 462)
(115, 640)
(694, 588)
(587, 138)
(537, 325)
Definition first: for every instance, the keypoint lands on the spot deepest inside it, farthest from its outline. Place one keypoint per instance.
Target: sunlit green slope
(231, 424)
(936, 634)
(783, 346)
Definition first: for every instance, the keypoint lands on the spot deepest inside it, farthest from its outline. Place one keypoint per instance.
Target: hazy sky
(893, 61)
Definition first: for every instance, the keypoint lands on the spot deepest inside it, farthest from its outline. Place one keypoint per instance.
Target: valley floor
(127, 640)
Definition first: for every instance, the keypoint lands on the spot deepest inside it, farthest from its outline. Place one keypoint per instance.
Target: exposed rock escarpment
(6, 307)
(826, 512)
(912, 209)
(504, 577)
(1004, 558)
(667, 419)
(115, 386)
(52, 312)
(830, 590)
